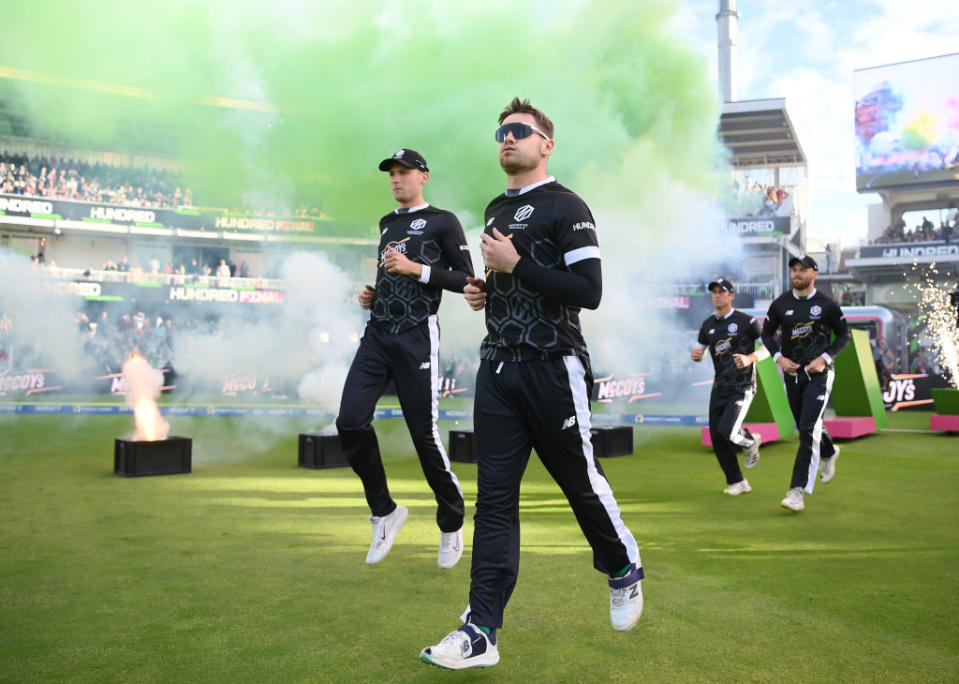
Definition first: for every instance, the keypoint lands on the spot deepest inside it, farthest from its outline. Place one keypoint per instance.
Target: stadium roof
(759, 133)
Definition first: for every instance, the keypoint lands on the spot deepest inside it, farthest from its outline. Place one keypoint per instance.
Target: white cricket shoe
(385, 529)
(794, 500)
(752, 453)
(626, 599)
(451, 548)
(827, 468)
(467, 647)
(737, 488)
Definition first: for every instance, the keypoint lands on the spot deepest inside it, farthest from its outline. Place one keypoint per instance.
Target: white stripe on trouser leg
(735, 437)
(577, 385)
(817, 435)
(434, 329)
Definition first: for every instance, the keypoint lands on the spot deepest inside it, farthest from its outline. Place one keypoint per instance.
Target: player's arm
(841, 329)
(769, 340)
(837, 321)
(745, 360)
(698, 352)
(581, 285)
(457, 254)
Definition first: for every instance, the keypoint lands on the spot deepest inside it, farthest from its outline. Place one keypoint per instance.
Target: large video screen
(907, 123)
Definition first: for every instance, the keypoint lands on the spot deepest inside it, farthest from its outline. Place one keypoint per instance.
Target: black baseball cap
(409, 158)
(805, 260)
(721, 283)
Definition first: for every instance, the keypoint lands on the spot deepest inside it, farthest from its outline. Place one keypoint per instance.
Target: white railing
(135, 277)
(757, 290)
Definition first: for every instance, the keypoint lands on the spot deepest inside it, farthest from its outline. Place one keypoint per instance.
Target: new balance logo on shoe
(569, 422)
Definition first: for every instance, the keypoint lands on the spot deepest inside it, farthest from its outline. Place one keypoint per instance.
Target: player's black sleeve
(837, 321)
(754, 330)
(581, 285)
(457, 256)
(703, 339)
(769, 329)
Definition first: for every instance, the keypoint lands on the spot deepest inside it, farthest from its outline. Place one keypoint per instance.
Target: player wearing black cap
(808, 319)
(731, 337)
(422, 251)
(533, 387)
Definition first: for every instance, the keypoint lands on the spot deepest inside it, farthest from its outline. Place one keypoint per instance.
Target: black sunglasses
(519, 131)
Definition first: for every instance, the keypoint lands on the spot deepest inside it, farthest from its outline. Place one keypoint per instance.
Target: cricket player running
(809, 319)
(533, 387)
(422, 251)
(731, 336)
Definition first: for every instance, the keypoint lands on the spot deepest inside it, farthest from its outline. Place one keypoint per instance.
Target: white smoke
(39, 313)
(313, 336)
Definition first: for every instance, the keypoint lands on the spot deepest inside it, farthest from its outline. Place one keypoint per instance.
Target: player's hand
(697, 354)
(817, 365)
(499, 253)
(395, 262)
(788, 365)
(475, 293)
(742, 360)
(365, 297)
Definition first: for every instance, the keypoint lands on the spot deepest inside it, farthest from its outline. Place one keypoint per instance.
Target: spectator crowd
(86, 182)
(925, 232)
(73, 180)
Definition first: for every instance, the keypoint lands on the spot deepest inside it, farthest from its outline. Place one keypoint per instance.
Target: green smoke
(348, 83)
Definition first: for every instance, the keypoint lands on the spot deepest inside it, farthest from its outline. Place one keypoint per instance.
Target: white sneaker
(794, 500)
(467, 647)
(626, 599)
(827, 468)
(451, 548)
(737, 488)
(385, 529)
(752, 453)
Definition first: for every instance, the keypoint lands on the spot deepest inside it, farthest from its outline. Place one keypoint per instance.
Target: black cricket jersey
(429, 236)
(807, 324)
(551, 226)
(735, 333)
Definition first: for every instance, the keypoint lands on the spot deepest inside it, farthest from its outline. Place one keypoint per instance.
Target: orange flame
(143, 383)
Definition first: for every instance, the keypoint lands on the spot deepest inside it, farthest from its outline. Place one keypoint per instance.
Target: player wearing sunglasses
(532, 389)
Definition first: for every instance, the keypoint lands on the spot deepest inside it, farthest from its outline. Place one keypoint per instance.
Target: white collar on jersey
(410, 210)
(721, 318)
(513, 192)
(808, 296)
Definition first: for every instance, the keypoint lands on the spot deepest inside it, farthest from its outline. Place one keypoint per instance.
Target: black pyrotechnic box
(321, 451)
(169, 456)
(615, 440)
(463, 446)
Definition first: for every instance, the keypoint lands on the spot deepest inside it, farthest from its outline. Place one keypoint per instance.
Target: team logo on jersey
(733, 328)
(569, 422)
(425, 365)
(398, 245)
(802, 330)
(712, 330)
(722, 346)
(523, 213)
(789, 313)
(418, 224)
(815, 310)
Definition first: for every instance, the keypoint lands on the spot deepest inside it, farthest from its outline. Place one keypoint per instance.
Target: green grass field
(251, 569)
